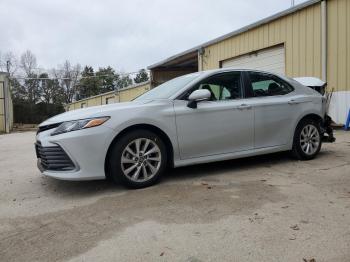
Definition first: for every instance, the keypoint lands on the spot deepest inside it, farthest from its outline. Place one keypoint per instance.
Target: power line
(39, 78)
(71, 78)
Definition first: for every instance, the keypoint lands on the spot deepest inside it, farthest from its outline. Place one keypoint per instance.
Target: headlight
(79, 124)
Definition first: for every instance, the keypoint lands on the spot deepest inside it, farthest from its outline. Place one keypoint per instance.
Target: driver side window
(224, 86)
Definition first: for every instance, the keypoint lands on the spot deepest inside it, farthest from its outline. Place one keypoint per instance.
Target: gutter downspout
(200, 58)
(324, 39)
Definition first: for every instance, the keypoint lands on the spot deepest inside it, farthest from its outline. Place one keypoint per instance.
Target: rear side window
(267, 85)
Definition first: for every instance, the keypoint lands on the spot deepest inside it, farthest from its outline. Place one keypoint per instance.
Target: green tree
(88, 84)
(18, 90)
(124, 81)
(142, 76)
(106, 79)
(31, 85)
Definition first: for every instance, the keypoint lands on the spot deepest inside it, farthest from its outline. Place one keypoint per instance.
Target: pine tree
(106, 79)
(89, 84)
(141, 77)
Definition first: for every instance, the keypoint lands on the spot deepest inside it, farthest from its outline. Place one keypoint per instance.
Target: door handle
(293, 102)
(244, 106)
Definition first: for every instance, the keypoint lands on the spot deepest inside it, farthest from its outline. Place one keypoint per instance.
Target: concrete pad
(267, 208)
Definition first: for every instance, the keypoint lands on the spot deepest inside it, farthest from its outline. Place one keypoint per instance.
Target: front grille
(53, 158)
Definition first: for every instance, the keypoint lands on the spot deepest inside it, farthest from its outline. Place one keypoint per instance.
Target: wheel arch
(149, 127)
(296, 150)
(312, 116)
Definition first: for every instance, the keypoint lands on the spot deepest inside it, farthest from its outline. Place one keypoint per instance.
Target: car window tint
(226, 94)
(268, 85)
(213, 89)
(225, 86)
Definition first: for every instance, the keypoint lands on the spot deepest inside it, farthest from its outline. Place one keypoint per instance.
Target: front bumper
(86, 149)
(53, 158)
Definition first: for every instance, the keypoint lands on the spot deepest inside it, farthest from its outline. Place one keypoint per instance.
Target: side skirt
(228, 156)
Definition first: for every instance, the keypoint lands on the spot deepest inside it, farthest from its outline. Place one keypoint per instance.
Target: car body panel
(94, 111)
(213, 128)
(228, 156)
(274, 119)
(82, 147)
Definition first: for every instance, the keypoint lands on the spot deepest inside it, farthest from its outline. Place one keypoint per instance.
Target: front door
(225, 124)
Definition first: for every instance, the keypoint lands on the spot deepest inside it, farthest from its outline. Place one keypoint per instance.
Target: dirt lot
(268, 208)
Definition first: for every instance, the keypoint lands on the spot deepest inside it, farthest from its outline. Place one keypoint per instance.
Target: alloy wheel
(309, 139)
(141, 159)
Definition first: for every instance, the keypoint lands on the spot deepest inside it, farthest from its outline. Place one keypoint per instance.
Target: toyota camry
(196, 118)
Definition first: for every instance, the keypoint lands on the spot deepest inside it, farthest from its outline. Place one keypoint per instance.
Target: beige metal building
(6, 108)
(122, 95)
(310, 39)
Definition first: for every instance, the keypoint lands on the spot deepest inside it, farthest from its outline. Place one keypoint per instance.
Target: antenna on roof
(292, 2)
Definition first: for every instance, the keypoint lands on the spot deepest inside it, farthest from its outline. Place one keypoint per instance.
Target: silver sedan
(197, 118)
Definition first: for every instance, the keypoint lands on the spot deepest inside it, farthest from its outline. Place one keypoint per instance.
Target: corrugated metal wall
(339, 44)
(124, 95)
(300, 32)
(338, 64)
(133, 92)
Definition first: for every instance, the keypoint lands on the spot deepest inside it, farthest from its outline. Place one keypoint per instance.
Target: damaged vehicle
(196, 118)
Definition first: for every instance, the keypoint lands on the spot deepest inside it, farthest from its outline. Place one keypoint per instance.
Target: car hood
(94, 111)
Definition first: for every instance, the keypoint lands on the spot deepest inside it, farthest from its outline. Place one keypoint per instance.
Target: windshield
(167, 89)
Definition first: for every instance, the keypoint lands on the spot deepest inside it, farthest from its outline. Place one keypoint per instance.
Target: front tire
(307, 140)
(138, 159)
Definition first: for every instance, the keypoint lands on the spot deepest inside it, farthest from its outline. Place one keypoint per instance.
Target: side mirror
(197, 96)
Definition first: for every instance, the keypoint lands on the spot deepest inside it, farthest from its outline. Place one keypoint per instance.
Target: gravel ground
(268, 208)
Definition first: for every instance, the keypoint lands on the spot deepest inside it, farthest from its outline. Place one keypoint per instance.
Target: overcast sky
(128, 35)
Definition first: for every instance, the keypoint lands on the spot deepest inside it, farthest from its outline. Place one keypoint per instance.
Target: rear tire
(307, 140)
(138, 159)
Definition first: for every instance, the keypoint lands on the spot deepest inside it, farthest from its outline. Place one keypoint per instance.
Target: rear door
(272, 100)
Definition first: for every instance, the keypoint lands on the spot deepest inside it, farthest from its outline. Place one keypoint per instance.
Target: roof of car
(234, 69)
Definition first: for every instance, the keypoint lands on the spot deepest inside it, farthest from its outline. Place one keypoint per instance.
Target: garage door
(270, 59)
